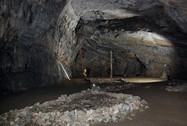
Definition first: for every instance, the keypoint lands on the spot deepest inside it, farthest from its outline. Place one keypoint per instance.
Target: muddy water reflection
(28, 98)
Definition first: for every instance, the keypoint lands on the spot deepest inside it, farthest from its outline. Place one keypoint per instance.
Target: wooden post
(110, 64)
(64, 70)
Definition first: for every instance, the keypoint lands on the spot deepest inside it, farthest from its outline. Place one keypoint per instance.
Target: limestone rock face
(37, 37)
(27, 47)
(143, 35)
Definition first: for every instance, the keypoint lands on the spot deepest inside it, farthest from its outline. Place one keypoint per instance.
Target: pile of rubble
(177, 86)
(118, 87)
(80, 109)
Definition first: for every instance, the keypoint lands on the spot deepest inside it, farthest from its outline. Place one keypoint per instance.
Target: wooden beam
(110, 64)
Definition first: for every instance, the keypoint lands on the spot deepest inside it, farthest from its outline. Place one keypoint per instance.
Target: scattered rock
(118, 87)
(79, 109)
(177, 86)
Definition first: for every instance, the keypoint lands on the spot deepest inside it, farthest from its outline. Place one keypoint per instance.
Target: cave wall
(38, 36)
(27, 46)
(140, 46)
(154, 32)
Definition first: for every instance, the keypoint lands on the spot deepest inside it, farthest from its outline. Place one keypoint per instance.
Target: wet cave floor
(166, 108)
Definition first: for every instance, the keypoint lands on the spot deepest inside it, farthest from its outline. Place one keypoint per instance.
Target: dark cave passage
(98, 37)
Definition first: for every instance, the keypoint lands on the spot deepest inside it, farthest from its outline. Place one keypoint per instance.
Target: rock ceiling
(38, 37)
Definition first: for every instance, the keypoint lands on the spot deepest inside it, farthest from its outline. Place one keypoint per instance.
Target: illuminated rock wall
(37, 36)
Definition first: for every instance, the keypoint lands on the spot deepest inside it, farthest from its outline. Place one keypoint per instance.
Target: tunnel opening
(99, 36)
(98, 62)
